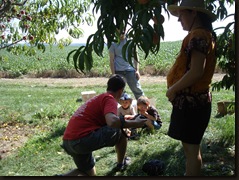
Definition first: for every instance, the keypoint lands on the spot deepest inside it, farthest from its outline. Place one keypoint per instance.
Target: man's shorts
(81, 149)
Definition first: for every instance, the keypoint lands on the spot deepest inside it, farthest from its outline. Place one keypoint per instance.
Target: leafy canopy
(37, 22)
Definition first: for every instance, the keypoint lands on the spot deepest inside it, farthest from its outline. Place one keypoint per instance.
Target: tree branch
(3, 47)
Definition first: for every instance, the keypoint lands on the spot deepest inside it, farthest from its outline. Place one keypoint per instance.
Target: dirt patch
(12, 136)
(81, 82)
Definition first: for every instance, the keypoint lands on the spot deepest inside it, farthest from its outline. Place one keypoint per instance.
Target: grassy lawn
(45, 110)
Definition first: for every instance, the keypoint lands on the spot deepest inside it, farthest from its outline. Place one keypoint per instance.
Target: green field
(53, 63)
(34, 115)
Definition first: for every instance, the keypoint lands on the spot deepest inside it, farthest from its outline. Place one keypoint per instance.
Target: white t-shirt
(129, 111)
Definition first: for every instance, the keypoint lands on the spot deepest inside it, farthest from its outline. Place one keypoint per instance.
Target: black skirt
(189, 118)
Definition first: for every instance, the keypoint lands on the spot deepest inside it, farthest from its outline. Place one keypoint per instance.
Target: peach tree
(136, 15)
(37, 22)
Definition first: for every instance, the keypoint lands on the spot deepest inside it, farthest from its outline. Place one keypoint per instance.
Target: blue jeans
(132, 82)
(156, 125)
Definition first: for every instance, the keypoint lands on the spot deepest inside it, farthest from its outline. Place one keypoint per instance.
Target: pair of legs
(152, 125)
(132, 82)
(103, 137)
(188, 125)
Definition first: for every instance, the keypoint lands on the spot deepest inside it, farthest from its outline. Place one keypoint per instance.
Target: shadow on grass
(217, 161)
(53, 134)
(218, 158)
(171, 157)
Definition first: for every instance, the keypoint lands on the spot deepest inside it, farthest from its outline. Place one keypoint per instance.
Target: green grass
(48, 108)
(45, 109)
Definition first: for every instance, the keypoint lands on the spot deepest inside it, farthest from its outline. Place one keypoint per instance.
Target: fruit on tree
(162, 19)
(155, 38)
(31, 37)
(29, 18)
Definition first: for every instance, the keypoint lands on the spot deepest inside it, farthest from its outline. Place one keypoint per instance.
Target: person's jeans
(132, 82)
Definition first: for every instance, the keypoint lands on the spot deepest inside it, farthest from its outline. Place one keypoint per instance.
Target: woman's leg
(193, 159)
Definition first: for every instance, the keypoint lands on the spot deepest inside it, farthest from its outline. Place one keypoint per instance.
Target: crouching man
(95, 125)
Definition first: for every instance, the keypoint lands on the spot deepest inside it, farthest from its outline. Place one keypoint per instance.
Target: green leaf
(89, 61)
(76, 58)
(144, 44)
(124, 50)
(69, 54)
(81, 61)
(130, 53)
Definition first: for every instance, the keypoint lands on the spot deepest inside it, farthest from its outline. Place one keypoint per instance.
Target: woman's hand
(170, 94)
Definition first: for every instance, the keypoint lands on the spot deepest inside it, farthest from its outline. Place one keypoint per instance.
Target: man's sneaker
(122, 166)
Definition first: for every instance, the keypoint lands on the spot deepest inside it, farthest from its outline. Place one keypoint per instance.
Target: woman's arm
(198, 61)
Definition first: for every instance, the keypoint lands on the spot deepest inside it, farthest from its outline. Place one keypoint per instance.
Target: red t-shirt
(90, 116)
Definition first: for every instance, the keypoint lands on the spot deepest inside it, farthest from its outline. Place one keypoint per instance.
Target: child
(150, 112)
(126, 109)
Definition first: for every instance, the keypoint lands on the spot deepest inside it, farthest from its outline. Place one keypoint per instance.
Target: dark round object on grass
(154, 167)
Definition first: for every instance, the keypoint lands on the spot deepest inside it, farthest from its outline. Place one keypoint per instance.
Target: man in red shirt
(95, 125)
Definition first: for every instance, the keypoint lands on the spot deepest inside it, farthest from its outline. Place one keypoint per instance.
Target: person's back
(91, 115)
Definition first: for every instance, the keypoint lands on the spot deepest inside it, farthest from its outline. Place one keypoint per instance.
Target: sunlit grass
(48, 109)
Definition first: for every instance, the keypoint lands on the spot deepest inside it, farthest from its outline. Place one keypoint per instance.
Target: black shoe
(134, 137)
(134, 134)
(122, 166)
